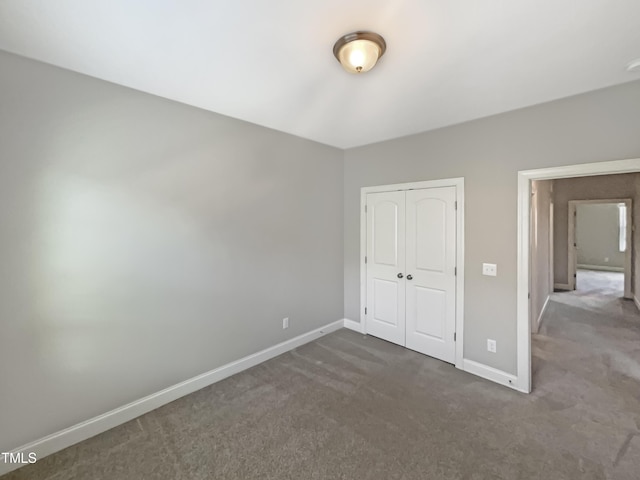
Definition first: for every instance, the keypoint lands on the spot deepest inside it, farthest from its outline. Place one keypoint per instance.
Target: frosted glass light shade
(358, 52)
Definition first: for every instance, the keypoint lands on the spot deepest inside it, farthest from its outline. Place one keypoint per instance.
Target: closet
(411, 269)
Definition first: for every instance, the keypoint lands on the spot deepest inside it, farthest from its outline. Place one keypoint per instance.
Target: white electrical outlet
(490, 269)
(491, 345)
(285, 323)
(606, 259)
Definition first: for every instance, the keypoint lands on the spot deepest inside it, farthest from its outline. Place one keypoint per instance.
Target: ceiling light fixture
(358, 52)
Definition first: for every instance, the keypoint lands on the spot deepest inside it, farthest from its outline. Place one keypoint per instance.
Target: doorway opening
(533, 299)
(600, 246)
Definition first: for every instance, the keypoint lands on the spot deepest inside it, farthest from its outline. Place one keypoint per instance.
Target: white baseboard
(90, 428)
(604, 268)
(475, 368)
(353, 325)
(492, 374)
(562, 286)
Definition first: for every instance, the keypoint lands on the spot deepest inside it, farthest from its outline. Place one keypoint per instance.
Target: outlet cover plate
(490, 269)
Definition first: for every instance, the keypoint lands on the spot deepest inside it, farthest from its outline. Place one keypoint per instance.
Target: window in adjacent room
(622, 227)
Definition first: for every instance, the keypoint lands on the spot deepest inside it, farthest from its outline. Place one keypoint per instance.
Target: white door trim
(450, 182)
(523, 379)
(572, 263)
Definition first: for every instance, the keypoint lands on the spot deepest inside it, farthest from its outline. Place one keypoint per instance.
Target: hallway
(586, 356)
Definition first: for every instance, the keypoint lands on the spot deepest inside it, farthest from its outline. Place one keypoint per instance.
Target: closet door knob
(400, 275)
(409, 277)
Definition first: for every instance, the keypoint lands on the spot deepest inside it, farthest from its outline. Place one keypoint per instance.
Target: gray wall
(597, 235)
(598, 187)
(541, 248)
(598, 126)
(144, 242)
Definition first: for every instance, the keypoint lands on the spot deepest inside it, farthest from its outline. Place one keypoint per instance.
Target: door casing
(450, 182)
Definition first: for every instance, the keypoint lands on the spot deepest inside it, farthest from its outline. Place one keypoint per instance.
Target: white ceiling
(270, 61)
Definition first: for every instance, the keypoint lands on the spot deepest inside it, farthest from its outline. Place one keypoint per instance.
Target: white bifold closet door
(411, 270)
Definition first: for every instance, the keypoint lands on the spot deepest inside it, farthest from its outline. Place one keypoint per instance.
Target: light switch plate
(490, 269)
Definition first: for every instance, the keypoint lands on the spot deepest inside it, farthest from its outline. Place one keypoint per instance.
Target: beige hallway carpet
(353, 407)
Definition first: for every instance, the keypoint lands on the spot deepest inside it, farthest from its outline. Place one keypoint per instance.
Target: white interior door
(385, 266)
(430, 272)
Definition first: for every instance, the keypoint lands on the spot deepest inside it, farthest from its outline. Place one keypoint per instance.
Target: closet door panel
(385, 266)
(430, 271)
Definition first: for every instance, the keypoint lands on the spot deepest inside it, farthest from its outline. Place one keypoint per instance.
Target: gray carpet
(599, 285)
(354, 407)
